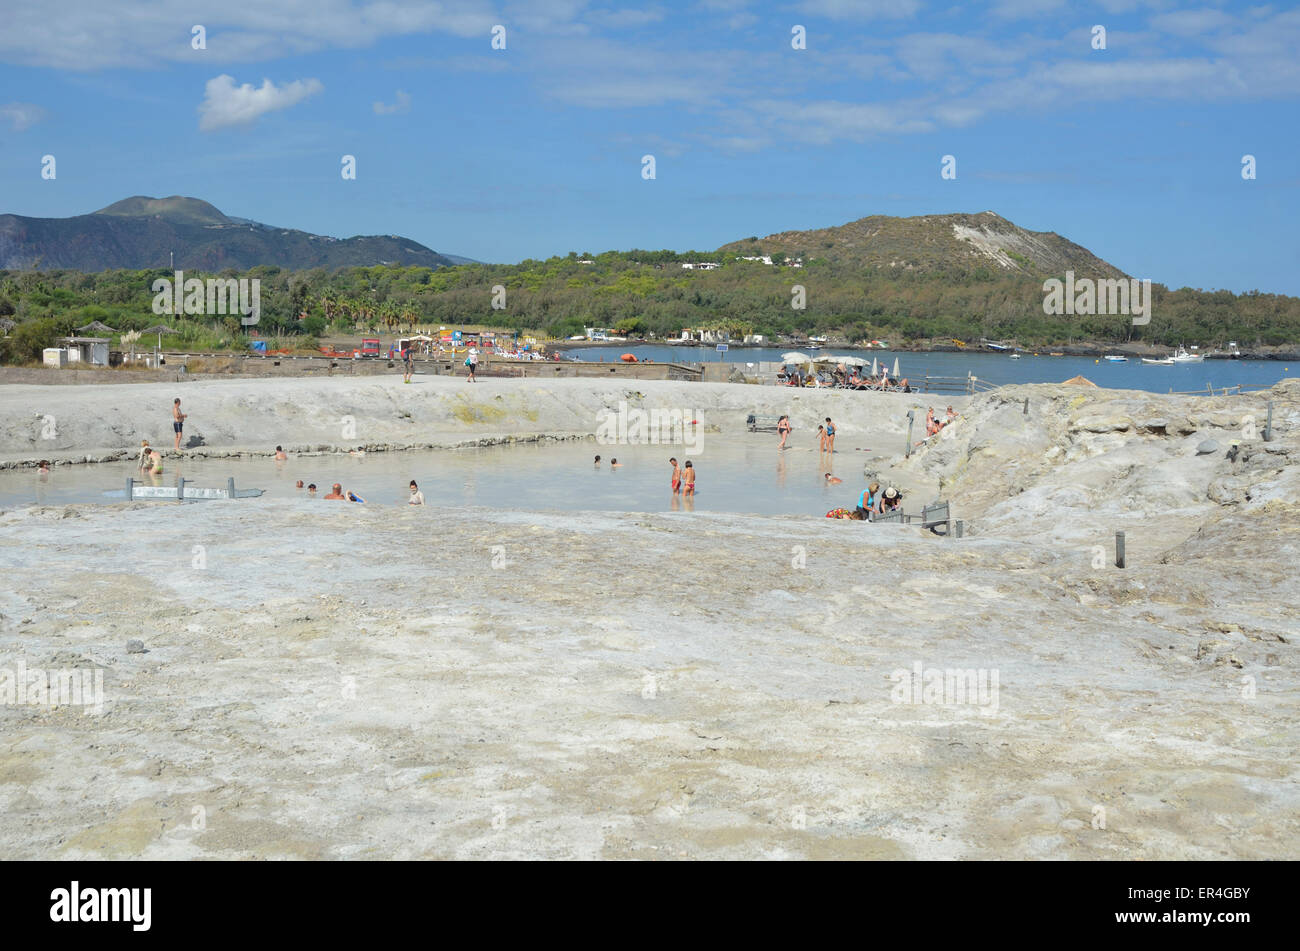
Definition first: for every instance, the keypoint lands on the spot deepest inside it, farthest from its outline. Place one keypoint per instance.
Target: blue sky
(1134, 151)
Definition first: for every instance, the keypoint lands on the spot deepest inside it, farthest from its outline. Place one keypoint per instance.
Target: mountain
(958, 243)
(142, 232)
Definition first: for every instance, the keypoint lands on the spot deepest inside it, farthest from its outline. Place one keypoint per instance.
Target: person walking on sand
(408, 363)
(783, 427)
(471, 361)
(830, 435)
(178, 421)
(677, 476)
(688, 480)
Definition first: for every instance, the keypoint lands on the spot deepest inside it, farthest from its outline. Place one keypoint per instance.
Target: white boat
(1115, 358)
(1182, 356)
(1161, 362)
(1015, 356)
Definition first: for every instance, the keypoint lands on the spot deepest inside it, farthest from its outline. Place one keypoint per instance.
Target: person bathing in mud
(336, 493)
(833, 480)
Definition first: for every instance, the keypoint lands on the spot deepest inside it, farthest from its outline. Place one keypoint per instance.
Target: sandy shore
(367, 682)
(103, 422)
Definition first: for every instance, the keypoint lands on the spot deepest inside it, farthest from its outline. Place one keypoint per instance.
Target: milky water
(752, 477)
(996, 368)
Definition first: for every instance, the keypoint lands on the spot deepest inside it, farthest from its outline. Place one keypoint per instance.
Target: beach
(350, 681)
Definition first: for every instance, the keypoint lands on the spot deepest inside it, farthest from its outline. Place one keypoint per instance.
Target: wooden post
(960, 527)
(911, 418)
(1026, 410)
(180, 490)
(1268, 425)
(1119, 550)
(230, 486)
(130, 488)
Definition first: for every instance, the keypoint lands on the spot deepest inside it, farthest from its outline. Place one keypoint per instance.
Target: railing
(1237, 389)
(968, 384)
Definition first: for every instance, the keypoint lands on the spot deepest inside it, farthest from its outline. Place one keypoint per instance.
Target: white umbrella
(895, 368)
(795, 357)
(874, 371)
(851, 361)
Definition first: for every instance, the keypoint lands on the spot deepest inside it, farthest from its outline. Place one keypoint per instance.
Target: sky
(512, 130)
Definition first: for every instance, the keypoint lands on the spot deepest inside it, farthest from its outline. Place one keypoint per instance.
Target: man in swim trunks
(336, 493)
(677, 476)
(408, 361)
(178, 421)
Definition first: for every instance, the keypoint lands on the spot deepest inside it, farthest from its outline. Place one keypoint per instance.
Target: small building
(88, 350)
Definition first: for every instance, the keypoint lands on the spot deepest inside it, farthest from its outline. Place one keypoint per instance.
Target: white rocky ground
(361, 682)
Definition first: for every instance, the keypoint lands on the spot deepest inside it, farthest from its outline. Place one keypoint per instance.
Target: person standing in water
(178, 421)
(417, 497)
(821, 438)
(783, 427)
(677, 475)
(830, 435)
(688, 480)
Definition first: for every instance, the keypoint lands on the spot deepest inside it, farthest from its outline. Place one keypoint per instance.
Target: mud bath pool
(744, 475)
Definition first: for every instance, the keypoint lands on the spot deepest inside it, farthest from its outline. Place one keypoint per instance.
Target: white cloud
(865, 10)
(21, 115)
(402, 104)
(225, 104)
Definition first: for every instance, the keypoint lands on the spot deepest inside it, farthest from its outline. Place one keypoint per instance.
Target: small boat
(1158, 362)
(1182, 356)
(997, 346)
(1015, 356)
(1055, 353)
(1115, 358)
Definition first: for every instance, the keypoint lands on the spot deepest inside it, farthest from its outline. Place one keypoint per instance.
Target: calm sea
(996, 368)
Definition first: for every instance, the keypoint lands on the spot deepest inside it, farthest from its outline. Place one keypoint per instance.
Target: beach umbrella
(874, 371)
(895, 368)
(850, 361)
(158, 329)
(96, 326)
(795, 357)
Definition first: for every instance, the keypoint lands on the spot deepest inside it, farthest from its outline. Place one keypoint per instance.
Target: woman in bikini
(688, 476)
(783, 427)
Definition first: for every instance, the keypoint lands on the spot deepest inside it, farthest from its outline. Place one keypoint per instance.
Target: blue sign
(455, 335)
(723, 348)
